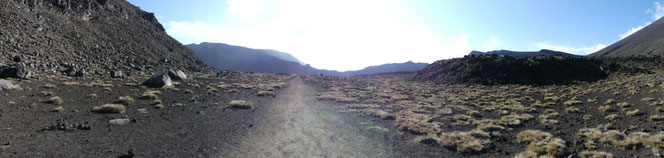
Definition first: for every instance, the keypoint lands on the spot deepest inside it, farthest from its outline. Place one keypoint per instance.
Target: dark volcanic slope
(521, 54)
(237, 58)
(647, 41)
(95, 35)
(493, 69)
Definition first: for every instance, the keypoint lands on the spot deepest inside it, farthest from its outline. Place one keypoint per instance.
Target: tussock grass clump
(466, 142)
(606, 108)
(241, 104)
(571, 102)
(49, 86)
(91, 96)
(613, 137)
(541, 143)
(109, 109)
(647, 99)
(188, 91)
(547, 118)
(415, 124)
(590, 100)
(572, 110)
(125, 100)
(265, 93)
(552, 98)
(513, 120)
(58, 109)
(150, 95)
(212, 90)
(159, 106)
(659, 109)
(623, 105)
(610, 101)
(612, 117)
(595, 154)
(656, 117)
(70, 83)
(155, 102)
(55, 100)
(46, 93)
(635, 112)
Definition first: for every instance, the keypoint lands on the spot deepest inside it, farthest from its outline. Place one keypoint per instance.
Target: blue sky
(353, 34)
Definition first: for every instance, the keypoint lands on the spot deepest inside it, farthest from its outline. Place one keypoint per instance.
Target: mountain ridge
(237, 58)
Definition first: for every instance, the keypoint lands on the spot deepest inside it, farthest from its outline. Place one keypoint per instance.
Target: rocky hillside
(648, 41)
(78, 37)
(228, 57)
(521, 54)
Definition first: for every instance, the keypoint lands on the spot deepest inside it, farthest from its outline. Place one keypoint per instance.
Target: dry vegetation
(547, 120)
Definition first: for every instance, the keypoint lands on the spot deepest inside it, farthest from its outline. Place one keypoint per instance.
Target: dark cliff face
(93, 35)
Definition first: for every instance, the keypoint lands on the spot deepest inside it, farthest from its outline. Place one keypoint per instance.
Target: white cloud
(363, 33)
(489, 45)
(245, 9)
(657, 12)
(568, 49)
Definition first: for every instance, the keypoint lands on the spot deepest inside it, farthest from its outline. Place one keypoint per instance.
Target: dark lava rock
(6, 85)
(176, 74)
(116, 74)
(158, 81)
(75, 72)
(16, 71)
(495, 69)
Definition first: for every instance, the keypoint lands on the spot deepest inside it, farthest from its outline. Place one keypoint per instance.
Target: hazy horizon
(350, 35)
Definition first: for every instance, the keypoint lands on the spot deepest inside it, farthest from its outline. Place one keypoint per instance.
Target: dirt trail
(298, 125)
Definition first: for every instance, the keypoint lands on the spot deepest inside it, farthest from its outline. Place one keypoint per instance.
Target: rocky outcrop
(16, 71)
(158, 81)
(496, 69)
(176, 74)
(88, 36)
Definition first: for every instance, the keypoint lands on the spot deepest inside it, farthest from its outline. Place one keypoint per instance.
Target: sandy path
(298, 125)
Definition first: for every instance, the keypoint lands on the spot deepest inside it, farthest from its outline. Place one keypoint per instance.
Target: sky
(353, 34)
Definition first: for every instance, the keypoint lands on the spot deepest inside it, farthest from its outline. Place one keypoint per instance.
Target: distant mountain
(648, 41)
(282, 55)
(228, 57)
(521, 54)
(385, 68)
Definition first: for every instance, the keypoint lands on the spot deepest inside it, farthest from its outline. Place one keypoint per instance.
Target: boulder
(16, 71)
(158, 81)
(116, 74)
(176, 74)
(6, 85)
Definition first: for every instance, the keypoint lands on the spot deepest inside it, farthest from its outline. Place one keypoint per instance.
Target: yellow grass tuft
(241, 104)
(265, 93)
(55, 100)
(125, 100)
(109, 109)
